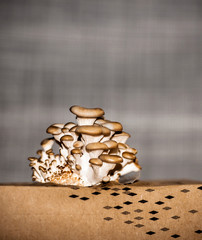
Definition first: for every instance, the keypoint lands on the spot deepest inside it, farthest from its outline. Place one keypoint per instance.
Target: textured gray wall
(139, 60)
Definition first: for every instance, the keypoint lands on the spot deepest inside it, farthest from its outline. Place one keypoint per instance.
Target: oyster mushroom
(86, 116)
(93, 151)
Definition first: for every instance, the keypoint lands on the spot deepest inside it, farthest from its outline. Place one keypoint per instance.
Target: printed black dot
(175, 217)
(84, 198)
(169, 197)
(127, 203)
(108, 218)
(153, 212)
(126, 188)
(149, 190)
(107, 207)
(150, 233)
(167, 208)
(118, 207)
(125, 213)
(143, 201)
(128, 222)
(198, 231)
(132, 194)
(138, 210)
(159, 202)
(138, 218)
(73, 196)
(164, 229)
(154, 219)
(96, 193)
(106, 188)
(193, 211)
(115, 194)
(139, 225)
(175, 236)
(185, 190)
(200, 188)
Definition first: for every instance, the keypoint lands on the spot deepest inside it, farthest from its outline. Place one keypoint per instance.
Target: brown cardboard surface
(143, 210)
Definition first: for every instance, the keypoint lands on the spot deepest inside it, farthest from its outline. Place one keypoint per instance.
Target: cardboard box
(143, 210)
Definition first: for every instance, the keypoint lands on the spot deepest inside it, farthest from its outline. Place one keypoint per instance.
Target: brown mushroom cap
(49, 151)
(66, 138)
(96, 162)
(39, 152)
(78, 167)
(105, 131)
(96, 146)
(111, 144)
(65, 130)
(32, 158)
(53, 130)
(76, 151)
(124, 134)
(128, 155)
(132, 150)
(113, 126)
(101, 121)
(78, 144)
(47, 141)
(69, 125)
(122, 146)
(73, 129)
(60, 125)
(42, 169)
(87, 112)
(89, 130)
(110, 158)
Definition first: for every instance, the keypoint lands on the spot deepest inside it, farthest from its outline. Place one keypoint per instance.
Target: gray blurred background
(141, 61)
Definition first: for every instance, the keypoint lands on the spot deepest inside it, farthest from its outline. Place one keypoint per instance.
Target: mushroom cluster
(90, 152)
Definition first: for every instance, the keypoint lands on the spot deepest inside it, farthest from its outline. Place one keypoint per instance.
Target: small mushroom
(67, 140)
(90, 133)
(109, 162)
(47, 143)
(95, 149)
(78, 144)
(96, 163)
(86, 116)
(127, 157)
(121, 137)
(77, 153)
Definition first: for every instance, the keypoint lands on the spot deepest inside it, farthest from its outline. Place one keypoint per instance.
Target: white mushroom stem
(58, 136)
(90, 139)
(95, 153)
(53, 167)
(106, 138)
(35, 165)
(64, 152)
(105, 168)
(85, 121)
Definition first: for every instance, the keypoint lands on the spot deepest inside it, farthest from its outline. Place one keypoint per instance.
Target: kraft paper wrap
(143, 210)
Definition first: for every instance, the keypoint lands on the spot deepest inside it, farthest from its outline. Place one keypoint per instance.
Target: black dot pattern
(96, 193)
(150, 233)
(139, 210)
(175, 236)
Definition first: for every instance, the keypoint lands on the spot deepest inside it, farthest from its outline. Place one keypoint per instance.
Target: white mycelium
(91, 152)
